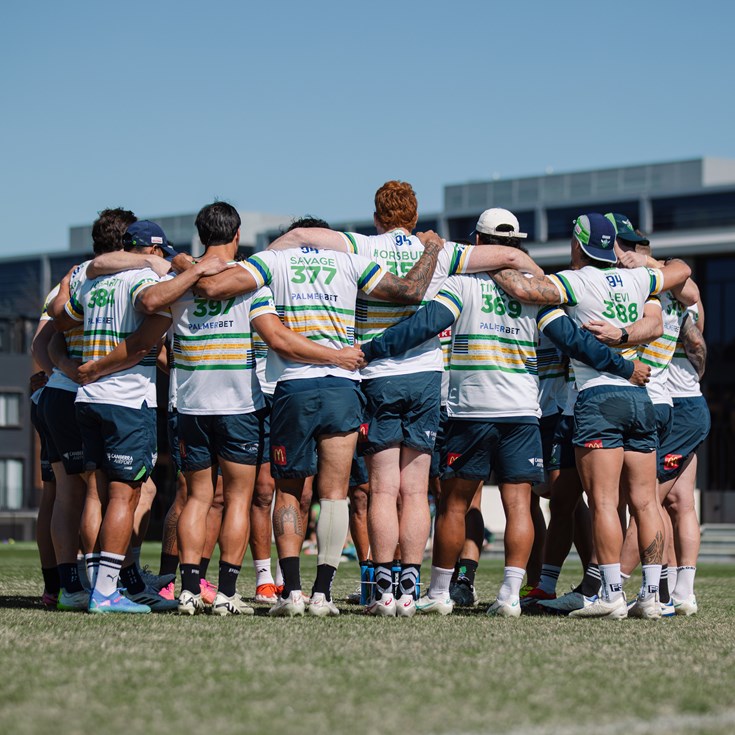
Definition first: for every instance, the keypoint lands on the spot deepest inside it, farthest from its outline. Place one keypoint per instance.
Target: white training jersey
(213, 352)
(36, 395)
(398, 252)
(493, 369)
(683, 378)
(445, 340)
(267, 387)
(73, 337)
(657, 354)
(614, 295)
(107, 308)
(314, 292)
(171, 370)
(552, 376)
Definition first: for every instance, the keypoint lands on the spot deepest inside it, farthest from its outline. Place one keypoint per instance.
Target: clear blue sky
(295, 107)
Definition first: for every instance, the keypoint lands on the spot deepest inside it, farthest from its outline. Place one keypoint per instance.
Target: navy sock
(130, 579)
(228, 574)
(190, 578)
(324, 578)
(663, 585)
(291, 570)
(467, 569)
(169, 564)
(51, 580)
(69, 577)
(203, 567)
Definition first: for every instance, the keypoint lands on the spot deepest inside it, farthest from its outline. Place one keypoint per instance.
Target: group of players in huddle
(372, 370)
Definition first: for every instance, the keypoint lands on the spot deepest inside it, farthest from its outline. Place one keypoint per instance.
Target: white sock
(440, 580)
(625, 577)
(92, 562)
(612, 583)
(279, 575)
(672, 577)
(651, 580)
(512, 581)
(108, 576)
(263, 571)
(684, 582)
(331, 531)
(549, 578)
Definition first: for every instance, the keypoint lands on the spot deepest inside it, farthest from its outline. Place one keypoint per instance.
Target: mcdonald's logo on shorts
(672, 461)
(279, 455)
(452, 457)
(362, 433)
(594, 444)
(182, 449)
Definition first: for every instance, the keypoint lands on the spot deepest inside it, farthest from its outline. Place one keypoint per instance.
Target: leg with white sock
(518, 538)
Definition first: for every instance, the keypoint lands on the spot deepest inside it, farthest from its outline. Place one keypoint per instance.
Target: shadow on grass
(21, 602)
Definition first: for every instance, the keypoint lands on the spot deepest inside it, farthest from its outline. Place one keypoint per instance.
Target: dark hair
(217, 224)
(308, 221)
(108, 229)
(511, 242)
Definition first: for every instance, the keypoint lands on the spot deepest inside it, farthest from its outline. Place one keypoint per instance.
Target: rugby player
(493, 406)
(317, 410)
(403, 394)
(614, 422)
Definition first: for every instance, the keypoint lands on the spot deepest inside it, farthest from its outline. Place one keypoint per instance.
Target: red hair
(396, 205)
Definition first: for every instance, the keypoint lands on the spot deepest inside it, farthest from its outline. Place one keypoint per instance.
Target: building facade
(686, 207)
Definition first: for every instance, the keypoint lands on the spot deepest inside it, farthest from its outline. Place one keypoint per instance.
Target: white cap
(500, 223)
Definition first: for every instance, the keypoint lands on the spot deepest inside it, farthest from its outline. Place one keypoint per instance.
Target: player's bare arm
(647, 329)
(39, 347)
(293, 346)
(162, 294)
(675, 272)
(60, 358)
(694, 345)
(128, 352)
(232, 282)
(314, 237)
(528, 289)
(411, 288)
(496, 257)
(120, 260)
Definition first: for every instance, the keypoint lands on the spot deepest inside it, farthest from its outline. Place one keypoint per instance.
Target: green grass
(75, 673)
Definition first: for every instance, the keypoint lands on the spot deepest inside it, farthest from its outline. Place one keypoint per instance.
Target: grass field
(74, 673)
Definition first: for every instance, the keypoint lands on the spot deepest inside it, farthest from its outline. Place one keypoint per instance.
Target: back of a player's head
(308, 221)
(108, 229)
(217, 224)
(396, 205)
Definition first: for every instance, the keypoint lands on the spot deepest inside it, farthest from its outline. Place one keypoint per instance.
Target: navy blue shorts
(547, 426)
(474, 449)
(437, 466)
(57, 411)
(608, 416)
(172, 432)
(664, 421)
(47, 471)
(690, 427)
(236, 438)
(401, 409)
(562, 449)
(267, 427)
(305, 409)
(358, 472)
(118, 440)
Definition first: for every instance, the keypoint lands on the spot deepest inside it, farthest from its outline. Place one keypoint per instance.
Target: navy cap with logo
(147, 234)
(625, 229)
(596, 236)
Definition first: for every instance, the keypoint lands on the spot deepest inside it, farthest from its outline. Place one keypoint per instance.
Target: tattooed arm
(411, 288)
(528, 289)
(694, 345)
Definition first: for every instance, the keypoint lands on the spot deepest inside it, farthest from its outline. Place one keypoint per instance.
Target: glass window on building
(9, 409)
(11, 484)
(694, 212)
